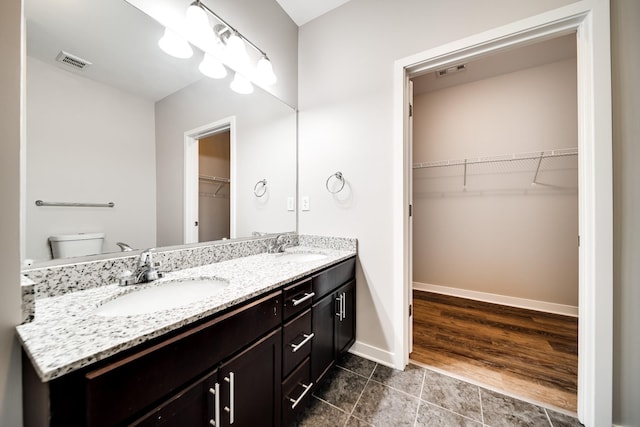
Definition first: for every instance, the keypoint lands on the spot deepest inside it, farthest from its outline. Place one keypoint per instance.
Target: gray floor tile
(320, 414)
(504, 411)
(357, 364)
(562, 420)
(432, 416)
(383, 406)
(354, 422)
(409, 380)
(341, 388)
(452, 394)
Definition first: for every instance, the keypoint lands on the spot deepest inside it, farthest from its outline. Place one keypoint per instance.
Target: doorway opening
(214, 170)
(209, 172)
(495, 220)
(590, 22)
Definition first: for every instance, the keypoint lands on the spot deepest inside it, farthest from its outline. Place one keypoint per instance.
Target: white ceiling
(303, 11)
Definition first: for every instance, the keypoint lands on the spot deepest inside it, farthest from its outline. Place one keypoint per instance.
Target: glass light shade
(197, 17)
(241, 84)
(237, 50)
(199, 26)
(264, 72)
(212, 67)
(174, 45)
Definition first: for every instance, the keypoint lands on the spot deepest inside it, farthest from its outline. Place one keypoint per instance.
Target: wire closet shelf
(538, 156)
(214, 180)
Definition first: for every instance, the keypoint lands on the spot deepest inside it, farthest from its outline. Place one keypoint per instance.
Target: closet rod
(214, 179)
(539, 155)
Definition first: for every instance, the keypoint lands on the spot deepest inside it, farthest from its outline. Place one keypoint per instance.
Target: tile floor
(359, 392)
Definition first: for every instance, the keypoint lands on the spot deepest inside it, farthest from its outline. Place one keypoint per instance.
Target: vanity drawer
(297, 297)
(296, 341)
(122, 388)
(296, 392)
(328, 280)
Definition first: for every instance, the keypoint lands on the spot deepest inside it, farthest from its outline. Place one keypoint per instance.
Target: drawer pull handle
(296, 401)
(307, 338)
(216, 405)
(306, 296)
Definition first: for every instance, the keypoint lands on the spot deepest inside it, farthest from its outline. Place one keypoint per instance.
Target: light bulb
(212, 67)
(174, 45)
(241, 84)
(237, 50)
(264, 72)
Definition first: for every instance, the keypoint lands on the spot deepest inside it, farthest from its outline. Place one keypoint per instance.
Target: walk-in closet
(495, 221)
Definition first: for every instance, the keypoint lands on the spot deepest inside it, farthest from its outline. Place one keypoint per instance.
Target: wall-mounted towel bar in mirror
(76, 205)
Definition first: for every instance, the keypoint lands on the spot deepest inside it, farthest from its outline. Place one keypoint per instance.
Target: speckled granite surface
(66, 334)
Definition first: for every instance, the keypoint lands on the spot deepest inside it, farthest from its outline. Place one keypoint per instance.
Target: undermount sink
(163, 296)
(300, 256)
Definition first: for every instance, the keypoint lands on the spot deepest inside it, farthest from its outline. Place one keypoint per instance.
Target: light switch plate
(305, 203)
(291, 206)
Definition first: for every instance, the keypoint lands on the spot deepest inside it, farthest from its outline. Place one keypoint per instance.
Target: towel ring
(260, 185)
(338, 176)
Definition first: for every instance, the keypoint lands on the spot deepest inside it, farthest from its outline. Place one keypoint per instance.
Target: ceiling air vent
(451, 70)
(72, 60)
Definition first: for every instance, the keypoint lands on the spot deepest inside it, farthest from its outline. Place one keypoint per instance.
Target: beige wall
(500, 235)
(87, 142)
(625, 36)
(10, 51)
(213, 212)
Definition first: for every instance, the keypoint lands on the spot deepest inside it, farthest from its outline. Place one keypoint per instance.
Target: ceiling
(303, 11)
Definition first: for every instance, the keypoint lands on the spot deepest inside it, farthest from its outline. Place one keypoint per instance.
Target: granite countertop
(67, 334)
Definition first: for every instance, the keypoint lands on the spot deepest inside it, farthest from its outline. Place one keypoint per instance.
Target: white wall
(500, 235)
(346, 121)
(625, 35)
(10, 135)
(87, 142)
(266, 149)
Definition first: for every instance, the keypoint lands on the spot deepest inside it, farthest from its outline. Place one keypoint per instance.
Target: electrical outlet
(305, 203)
(291, 205)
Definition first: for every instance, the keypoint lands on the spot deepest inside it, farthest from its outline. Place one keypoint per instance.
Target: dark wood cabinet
(255, 364)
(333, 317)
(250, 385)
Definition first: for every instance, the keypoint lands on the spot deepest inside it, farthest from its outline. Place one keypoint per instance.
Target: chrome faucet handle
(126, 278)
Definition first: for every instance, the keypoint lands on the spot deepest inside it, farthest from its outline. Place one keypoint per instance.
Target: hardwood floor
(526, 353)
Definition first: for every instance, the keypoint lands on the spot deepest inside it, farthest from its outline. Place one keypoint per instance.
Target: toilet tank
(73, 245)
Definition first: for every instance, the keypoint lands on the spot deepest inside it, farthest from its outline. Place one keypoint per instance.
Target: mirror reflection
(113, 119)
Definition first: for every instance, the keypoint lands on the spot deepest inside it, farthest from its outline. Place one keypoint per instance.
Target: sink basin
(165, 296)
(300, 256)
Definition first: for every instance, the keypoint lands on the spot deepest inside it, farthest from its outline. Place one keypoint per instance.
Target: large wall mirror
(182, 157)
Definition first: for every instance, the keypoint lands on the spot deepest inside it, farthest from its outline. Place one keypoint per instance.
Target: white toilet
(73, 245)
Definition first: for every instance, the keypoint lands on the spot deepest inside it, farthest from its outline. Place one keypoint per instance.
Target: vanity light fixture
(212, 67)
(241, 84)
(223, 45)
(174, 45)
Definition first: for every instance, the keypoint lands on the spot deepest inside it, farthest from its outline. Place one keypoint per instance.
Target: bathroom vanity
(251, 357)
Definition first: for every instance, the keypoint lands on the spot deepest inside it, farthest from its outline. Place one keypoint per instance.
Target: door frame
(191, 187)
(589, 19)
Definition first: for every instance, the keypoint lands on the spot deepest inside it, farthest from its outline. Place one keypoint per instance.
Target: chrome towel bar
(76, 205)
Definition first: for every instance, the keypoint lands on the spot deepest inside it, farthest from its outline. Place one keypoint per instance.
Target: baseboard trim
(548, 307)
(372, 353)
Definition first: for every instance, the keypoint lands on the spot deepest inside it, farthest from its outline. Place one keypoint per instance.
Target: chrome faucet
(277, 245)
(146, 271)
(124, 247)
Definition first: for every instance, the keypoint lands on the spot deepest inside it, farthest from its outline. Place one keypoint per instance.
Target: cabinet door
(194, 406)
(323, 314)
(250, 385)
(346, 319)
